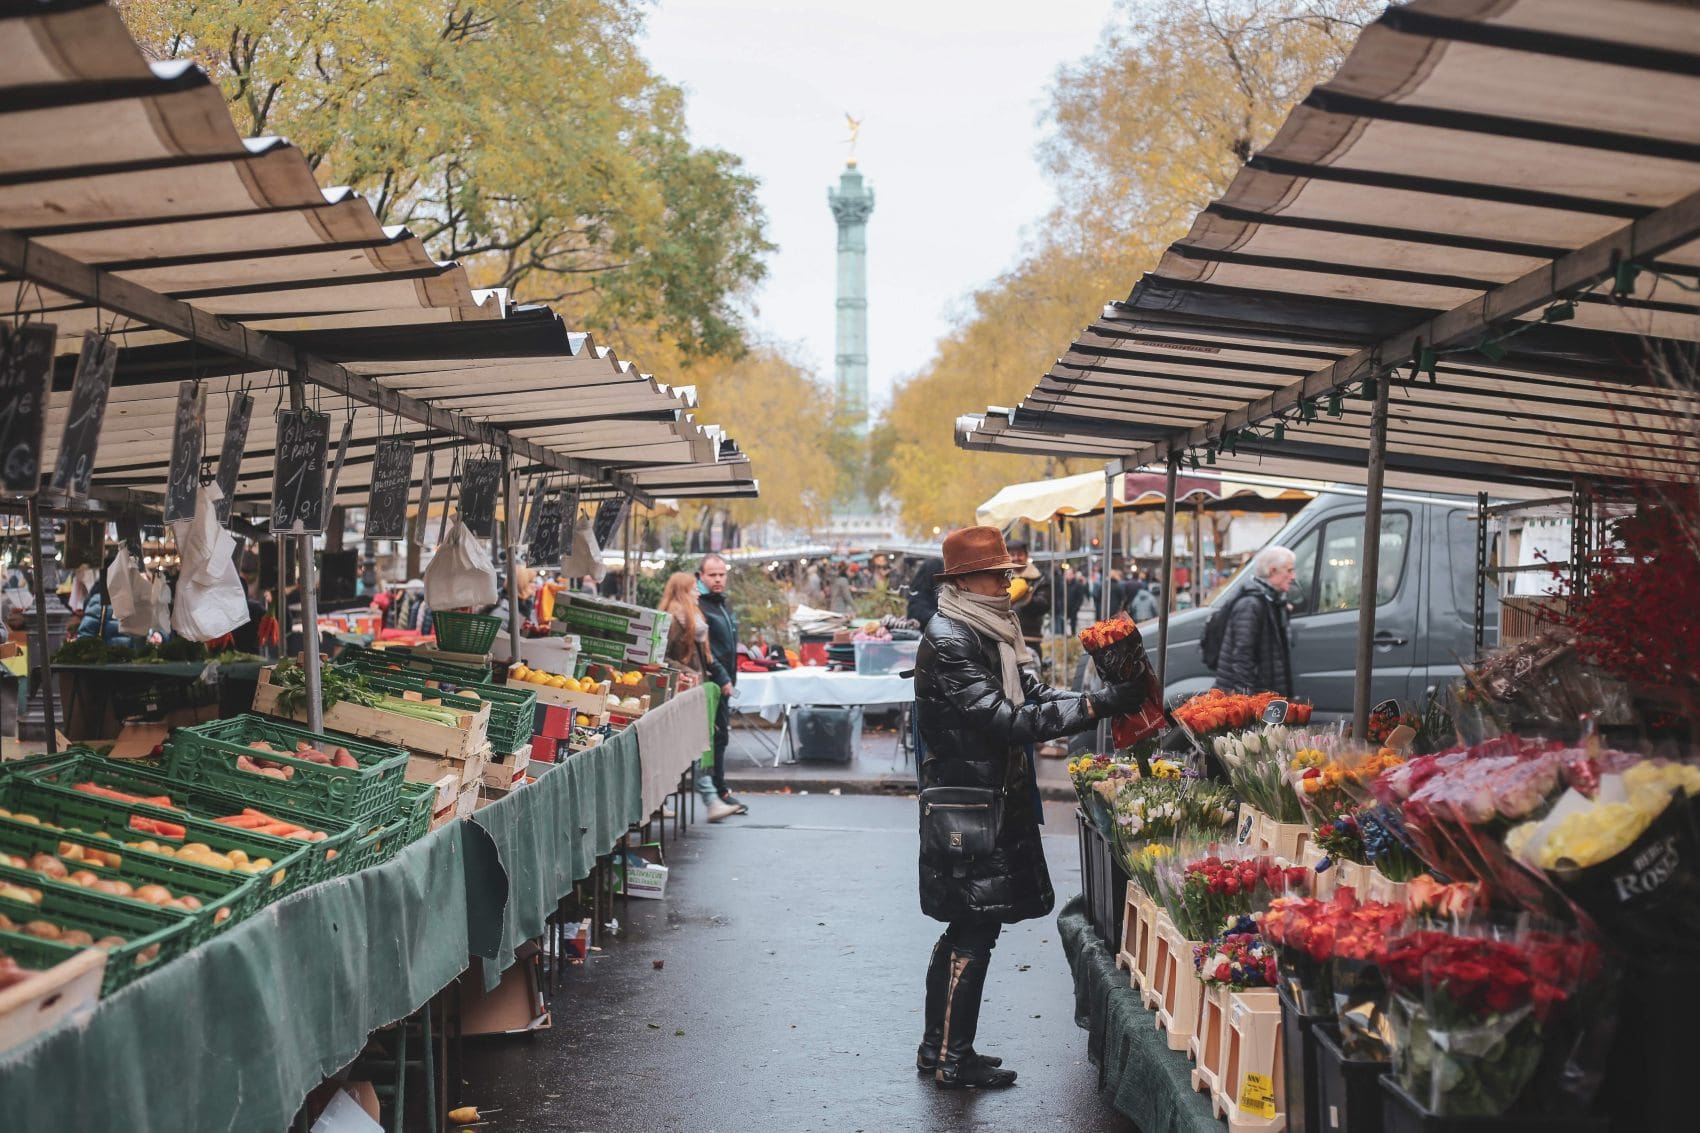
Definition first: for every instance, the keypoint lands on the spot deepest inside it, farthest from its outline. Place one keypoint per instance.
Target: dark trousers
(722, 736)
(975, 938)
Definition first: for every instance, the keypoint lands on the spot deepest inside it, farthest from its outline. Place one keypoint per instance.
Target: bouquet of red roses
(1208, 892)
(1472, 1014)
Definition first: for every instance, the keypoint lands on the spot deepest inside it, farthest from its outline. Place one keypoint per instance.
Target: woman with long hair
(687, 647)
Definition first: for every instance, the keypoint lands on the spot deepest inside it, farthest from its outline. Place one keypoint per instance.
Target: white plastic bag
(585, 557)
(210, 599)
(129, 594)
(160, 604)
(460, 573)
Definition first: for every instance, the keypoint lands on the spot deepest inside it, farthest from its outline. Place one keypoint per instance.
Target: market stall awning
(130, 203)
(1497, 202)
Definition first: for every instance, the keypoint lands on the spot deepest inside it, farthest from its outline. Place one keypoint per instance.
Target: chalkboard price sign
(298, 471)
(26, 376)
(609, 515)
(478, 483)
(89, 390)
(546, 543)
(188, 435)
(392, 475)
(230, 456)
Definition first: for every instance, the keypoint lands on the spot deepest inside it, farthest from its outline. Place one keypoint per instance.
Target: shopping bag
(460, 574)
(129, 594)
(585, 557)
(210, 598)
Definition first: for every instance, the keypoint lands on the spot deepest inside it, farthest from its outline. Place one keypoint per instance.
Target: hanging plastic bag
(460, 573)
(129, 594)
(585, 557)
(161, 606)
(210, 598)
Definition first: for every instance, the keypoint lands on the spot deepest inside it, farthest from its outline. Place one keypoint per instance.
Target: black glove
(1119, 700)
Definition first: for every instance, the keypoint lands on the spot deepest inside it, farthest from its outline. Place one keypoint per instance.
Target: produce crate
(510, 704)
(226, 898)
(465, 633)
(206, 754)
(57, 990)
(589, 703)
(392, 728)
(574, 618)
(406, 658)
(417, 802)
(49, 794)
(152, 937)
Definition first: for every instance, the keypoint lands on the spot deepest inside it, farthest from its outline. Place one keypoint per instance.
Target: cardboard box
(138, 741)
(644, 873)
(514, 1006)
(547, 749)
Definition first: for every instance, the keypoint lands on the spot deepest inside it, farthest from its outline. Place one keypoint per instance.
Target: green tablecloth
(233, 1035)
(1145, 1080)
(547, 836)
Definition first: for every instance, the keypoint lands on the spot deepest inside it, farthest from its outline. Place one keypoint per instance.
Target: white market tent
(1468, 258)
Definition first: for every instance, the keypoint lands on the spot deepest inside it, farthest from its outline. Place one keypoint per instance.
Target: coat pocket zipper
(958, 806)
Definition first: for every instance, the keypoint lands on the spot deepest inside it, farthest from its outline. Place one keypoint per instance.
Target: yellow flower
(1591, 836)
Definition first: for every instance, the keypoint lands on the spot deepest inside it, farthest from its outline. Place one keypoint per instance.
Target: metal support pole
(1168, 573)
(309, 597)
(1198, 554)
(513, 530)
(1111, 471)
(282, 599)
(1481, 571)
(45, 648)
(1362, 691)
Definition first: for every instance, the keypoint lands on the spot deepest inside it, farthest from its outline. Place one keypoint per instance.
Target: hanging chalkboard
(26, 376)
(609, 515)
(479, 480)
(77, 444)
(392, 475)
(424, 501)
(230, 456)
(546, 543)
(298, 471)
(188, 435)
(533, 497)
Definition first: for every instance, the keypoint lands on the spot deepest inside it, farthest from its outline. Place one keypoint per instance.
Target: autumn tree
(1143, 133)
(528, 139)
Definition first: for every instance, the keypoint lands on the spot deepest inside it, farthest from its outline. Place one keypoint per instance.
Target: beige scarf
(991, 618)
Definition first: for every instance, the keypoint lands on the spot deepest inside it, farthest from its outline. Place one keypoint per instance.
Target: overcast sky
(949, 93)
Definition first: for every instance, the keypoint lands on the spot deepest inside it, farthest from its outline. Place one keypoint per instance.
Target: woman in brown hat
(979, 705)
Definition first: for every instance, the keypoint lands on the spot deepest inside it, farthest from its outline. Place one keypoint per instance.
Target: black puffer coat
(974, 736)
(1256, 656)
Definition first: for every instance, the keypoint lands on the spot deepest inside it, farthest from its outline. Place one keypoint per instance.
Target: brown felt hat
(973, 549)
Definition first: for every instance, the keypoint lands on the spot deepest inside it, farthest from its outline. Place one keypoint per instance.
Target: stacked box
(612, 629)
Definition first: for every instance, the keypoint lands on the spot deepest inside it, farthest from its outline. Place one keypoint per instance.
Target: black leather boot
(958, 1067)
(938, 987)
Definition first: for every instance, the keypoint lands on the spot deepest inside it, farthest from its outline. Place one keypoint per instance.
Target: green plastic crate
(578, 619)
(418, 800)
(234, 895)
(201, 808)
(142, 927)
(406, 658)
(206, 754)
(511, 710)
(465, 633)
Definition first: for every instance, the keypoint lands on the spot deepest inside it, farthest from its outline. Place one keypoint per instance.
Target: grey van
(1425, 602)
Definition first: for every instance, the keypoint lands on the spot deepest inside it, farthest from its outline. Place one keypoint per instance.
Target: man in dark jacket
(1076, 599)
(1033, 604)
(723, 663)
(979, 706)
(1256, 655)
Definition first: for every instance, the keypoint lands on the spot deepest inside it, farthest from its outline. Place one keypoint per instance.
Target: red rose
(1223, 973)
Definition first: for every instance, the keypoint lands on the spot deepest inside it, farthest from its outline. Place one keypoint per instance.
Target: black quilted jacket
(975, 736)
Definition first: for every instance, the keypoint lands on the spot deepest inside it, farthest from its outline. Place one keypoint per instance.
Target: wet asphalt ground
(790, 994)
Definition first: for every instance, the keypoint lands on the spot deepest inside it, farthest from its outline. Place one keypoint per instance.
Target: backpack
(1216, 628)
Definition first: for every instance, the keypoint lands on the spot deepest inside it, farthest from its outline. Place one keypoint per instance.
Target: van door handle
(1386, 639)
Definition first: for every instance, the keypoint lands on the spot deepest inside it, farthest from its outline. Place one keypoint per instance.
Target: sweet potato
(344, 759)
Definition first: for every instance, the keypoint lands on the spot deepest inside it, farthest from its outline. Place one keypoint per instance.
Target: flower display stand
(1145, 940)
(1248, 827)
(1353, 875)
(1251, 1091)
(1382, 889)
(1162, 930)
(1125, 959)
(1205, 1047)
(1284, 839)
(1180, 986)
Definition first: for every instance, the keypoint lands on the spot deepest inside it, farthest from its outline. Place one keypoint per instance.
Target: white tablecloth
(670, 739)
(771, 693)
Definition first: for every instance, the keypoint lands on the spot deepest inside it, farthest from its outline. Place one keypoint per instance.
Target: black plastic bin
(1400, 1113)
(1348, 1091)
(1299, 1047)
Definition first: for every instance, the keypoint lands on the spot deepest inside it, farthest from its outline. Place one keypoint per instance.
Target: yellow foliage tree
(1144, 132)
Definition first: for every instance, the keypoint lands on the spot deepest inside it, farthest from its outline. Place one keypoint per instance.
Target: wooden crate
(1251, 1045)
(470, 735)
(1206, 1046)
(589, 703)
(502, 770)
(66, 991)
(426, 768)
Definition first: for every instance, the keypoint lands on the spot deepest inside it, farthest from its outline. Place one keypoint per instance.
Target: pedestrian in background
(924, 591)
(688, 648)
(842, 600)
(722, 621)
(1031, 597)
(979, 706)
(1077, 592)
(1256, 654)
